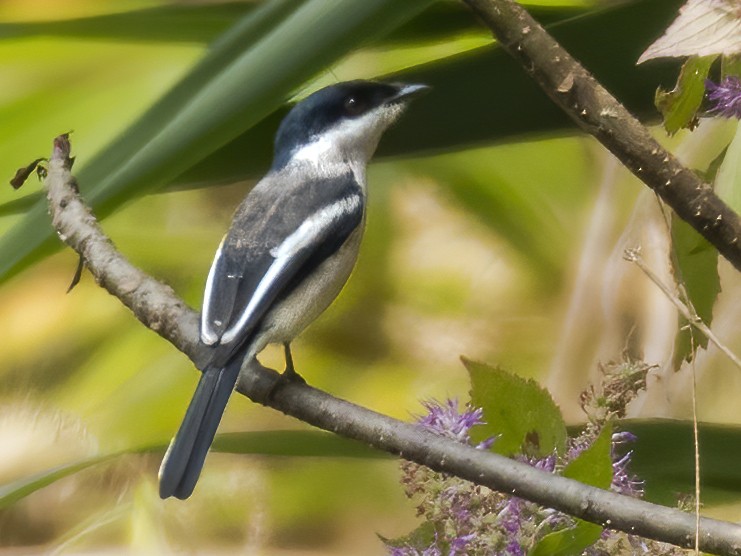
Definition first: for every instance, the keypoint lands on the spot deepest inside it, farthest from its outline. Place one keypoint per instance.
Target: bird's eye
(354, 106)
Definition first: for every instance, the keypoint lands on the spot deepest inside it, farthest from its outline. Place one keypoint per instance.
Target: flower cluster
(461, 518)
(725, 97)
(446, 420)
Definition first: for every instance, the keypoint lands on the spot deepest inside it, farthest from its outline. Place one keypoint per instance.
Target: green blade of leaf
(473, 94)
(12, 492)
(517, 411)
(664, 458)
(170, 23)
(189, 124)
(203, 22)
(267, 443)
(21, 204)
(479, 85)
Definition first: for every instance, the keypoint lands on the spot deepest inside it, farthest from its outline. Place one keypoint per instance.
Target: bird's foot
(290, 374)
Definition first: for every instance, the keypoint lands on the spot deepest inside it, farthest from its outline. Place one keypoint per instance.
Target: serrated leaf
(679, 106)
(696, 267)
(703, 28)
(568, 542)
(594, 465)
(518, 411)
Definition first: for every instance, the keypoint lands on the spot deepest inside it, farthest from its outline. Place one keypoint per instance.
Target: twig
(152, 302)
(597, 112)
(634, 256)
(156, 306)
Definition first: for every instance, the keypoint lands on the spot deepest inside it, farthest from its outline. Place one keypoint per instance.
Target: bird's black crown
(326, 108)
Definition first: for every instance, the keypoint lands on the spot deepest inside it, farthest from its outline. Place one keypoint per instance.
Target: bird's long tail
(184, 459)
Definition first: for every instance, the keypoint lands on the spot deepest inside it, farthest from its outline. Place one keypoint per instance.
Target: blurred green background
(495, 231)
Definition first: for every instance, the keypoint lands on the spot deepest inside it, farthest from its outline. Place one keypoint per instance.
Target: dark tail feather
(184, 459)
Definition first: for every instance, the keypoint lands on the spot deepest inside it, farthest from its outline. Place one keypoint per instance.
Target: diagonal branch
(597, 112)
(158, 308)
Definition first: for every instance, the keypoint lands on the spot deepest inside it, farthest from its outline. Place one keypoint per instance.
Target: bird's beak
(408, 92)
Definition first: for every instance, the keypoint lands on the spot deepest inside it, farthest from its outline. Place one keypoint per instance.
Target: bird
(290, 248)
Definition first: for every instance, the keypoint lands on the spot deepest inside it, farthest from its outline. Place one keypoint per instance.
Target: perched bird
(290, 249)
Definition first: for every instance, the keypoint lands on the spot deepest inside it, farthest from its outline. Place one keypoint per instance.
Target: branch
(597, 112)
(158, 308)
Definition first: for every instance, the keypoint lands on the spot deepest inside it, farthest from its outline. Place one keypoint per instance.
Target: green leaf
(205, 142)
(696, 267)
(228, 92)
(664, 458)
(594, 465)
(421, 538)
(266, 443)
(518, 411)
(679, 106)
(482, 85)
(728, 178)
(170, 23)
(568, 542)
(12, 492)
(178, 22)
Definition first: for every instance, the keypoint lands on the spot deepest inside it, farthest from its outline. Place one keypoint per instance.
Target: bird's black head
(345, 119)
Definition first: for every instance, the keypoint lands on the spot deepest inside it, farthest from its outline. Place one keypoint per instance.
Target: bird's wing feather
(274, 241)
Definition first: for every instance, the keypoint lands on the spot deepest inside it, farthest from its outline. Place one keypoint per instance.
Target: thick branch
(597, 112)
(156, 306)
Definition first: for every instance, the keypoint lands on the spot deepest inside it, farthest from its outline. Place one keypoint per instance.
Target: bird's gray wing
(274, 242)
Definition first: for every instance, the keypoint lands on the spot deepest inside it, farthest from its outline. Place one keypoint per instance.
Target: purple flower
(458, 547)
(447, 421)
(580, 443)
(432, 550)
(459, 544)
(510, 519)
(547, 464)
(624, 482)
(725, 97)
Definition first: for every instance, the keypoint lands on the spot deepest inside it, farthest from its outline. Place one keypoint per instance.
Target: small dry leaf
(703, 28)
(22, 174)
